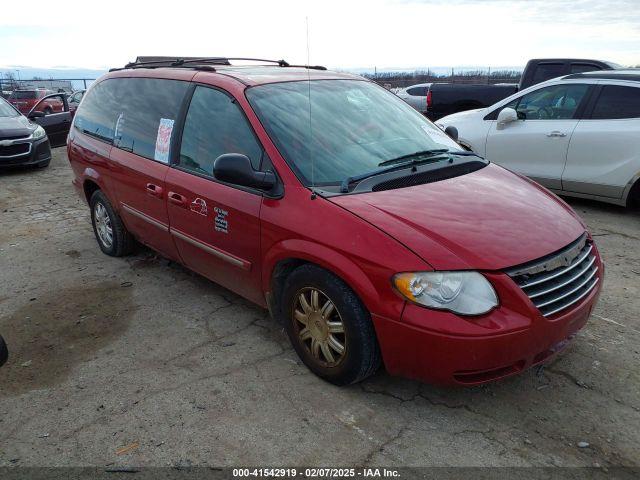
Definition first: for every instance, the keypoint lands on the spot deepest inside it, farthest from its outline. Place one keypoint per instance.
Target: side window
(558, 102)
(583, 67)
(418, 91)
(146, 112)
(494, 115)
(214, 126)
(97, 116)
(617, 102)
(547, 71)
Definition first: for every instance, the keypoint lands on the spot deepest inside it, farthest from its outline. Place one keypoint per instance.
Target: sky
(343, 34)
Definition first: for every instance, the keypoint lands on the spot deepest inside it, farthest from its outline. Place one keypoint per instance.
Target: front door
(216, 226)
(536, 145)
(57, 118)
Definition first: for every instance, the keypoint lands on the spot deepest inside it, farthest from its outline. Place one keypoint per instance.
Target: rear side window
(617, 102)
(214, 126)
(146, 110)
(583, 67)
(23, 95)
(547, 71)
(97, 116)
(418, 91)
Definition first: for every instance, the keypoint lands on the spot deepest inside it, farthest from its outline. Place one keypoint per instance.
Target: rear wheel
(113, 237)
(329, 327)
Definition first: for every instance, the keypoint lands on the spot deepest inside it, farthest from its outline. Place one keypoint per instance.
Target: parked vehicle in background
(438, 99)
(416, 96)
(442, 99)
(4, 351)
(22, 142)
(57, 122)
(74, 100)
(25, 100)
(578, 135)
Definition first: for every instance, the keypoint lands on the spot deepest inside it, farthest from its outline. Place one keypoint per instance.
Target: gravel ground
(137, 361)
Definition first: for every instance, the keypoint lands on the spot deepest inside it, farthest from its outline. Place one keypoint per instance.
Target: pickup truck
(437, 99)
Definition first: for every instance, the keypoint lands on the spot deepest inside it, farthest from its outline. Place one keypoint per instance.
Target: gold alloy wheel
(319, 326)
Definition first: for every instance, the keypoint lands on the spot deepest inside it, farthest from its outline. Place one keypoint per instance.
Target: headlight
(38, 133)
(467, 293)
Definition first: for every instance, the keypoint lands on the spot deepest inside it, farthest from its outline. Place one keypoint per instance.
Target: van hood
(490, 219)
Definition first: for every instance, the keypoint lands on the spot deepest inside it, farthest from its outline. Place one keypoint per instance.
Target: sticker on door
(220, 222)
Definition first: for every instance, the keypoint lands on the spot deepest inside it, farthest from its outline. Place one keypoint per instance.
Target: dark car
(437, 100)
(22, 142)
(56, 123)
(4, 352)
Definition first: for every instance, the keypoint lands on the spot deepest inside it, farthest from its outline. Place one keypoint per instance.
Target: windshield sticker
(199, 206)
(220, 222)
(163, 140)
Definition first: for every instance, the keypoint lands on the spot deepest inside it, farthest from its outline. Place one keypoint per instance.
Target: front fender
(325, 257)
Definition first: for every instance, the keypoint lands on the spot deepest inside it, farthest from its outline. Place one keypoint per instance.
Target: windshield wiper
(415, 156)
(397, 164)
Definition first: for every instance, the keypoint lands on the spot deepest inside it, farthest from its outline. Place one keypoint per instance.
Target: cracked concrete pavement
(139, 362)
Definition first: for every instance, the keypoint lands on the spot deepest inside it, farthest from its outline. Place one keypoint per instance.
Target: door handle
(556, 133)
(177, 199)
(154, 190)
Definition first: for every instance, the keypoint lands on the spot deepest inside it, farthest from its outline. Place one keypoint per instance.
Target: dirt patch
(48, 336)
(73, 254)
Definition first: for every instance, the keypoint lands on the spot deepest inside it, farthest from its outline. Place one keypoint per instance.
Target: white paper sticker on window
(163, 140)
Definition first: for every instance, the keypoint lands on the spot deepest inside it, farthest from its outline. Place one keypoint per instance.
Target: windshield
(7, 110)
(352, 127)
(23, 95)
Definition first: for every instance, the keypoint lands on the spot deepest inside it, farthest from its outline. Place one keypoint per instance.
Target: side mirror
(452, 132)
(237, 169)
(506, 115)
(36, 114)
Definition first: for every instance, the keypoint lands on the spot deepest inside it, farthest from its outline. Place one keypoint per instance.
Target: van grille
(556, 282)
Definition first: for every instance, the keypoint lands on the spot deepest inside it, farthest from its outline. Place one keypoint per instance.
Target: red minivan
(359, 224)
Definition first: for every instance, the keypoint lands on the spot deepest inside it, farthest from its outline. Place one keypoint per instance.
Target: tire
(348, 324)
(44, 164)
(633, 202)
(4, 352)
(104, 220)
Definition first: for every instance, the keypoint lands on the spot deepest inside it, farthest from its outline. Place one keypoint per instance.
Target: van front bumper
(443, 348)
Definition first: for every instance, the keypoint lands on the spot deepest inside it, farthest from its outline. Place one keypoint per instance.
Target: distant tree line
(404, 79)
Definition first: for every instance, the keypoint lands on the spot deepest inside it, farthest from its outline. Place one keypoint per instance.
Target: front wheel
(329, 327)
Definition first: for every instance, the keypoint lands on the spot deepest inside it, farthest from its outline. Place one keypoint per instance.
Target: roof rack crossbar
(157, 62)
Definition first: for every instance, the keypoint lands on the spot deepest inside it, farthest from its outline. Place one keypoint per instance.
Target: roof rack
(203, 63)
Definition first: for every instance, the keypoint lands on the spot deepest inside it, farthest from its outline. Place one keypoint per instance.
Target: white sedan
(577, 135)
